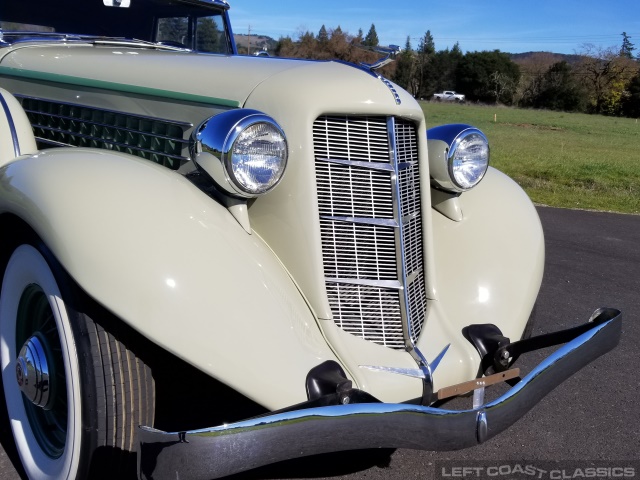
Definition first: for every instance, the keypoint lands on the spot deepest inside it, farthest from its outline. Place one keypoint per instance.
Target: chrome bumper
(220, 451)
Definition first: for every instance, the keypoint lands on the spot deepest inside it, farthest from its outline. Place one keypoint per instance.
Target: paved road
(593, 260)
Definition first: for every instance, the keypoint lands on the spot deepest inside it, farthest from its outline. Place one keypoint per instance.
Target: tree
(606, 74)
(339, 46)
(533, 68)
(559, 90)
(405, 67)
(284, 47)
(442, 68)
(307, 45)
(631, 104)
(323, 36)
(208, 36)
(423, 72)
(503, 86)
(371, 40)
(173, 29)
(627, 47)
(487, 76)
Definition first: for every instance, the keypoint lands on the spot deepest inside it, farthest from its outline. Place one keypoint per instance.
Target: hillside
(523, 58)
(258, 42)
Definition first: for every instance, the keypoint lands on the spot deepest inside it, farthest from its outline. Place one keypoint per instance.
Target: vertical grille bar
(369, 203)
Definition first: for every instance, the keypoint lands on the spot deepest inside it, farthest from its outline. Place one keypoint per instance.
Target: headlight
(458, 156)
(244, 151)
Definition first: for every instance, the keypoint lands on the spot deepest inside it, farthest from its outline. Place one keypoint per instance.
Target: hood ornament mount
(390, 53)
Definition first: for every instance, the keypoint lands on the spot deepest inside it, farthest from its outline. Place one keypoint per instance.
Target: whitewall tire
(78, 419)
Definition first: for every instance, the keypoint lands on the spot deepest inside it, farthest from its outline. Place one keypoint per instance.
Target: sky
(513, 26)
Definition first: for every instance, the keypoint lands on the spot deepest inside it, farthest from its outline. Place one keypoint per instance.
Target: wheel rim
(36, 328)
(48, 437)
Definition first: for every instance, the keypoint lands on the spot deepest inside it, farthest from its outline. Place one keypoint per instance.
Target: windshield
(182, 23)
(204, 34)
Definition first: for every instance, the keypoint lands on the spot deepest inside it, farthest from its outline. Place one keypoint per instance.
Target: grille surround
(61, 124)
(371, 229)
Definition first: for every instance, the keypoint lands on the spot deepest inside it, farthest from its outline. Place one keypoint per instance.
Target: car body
(450, 96)
(287, 232)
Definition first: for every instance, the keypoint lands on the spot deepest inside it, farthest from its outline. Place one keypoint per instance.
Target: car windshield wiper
(134, 42)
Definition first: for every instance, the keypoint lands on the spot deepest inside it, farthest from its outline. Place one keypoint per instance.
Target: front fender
(165, 258)
(489, 264)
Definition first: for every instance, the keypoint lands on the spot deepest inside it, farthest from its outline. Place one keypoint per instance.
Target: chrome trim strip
(385, 167)
(228, 449)
(436, 361)
(381, 222)
(12, 126)
(391, 284)
(407, 372)
(52, 142)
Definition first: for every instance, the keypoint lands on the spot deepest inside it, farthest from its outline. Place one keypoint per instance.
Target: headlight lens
(244, 152)
(468, 159)
(258, 158)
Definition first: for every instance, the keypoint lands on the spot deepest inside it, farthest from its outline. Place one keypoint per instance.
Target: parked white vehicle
(211, 262)
(449, 95)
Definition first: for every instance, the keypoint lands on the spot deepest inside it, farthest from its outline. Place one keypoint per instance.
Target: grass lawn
(560, 159)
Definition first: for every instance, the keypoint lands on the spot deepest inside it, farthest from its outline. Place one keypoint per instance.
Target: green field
(561, 159)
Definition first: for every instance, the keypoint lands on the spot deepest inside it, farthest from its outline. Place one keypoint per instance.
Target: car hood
(226, 80)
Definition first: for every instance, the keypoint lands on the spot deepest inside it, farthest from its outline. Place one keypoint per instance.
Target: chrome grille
(63, 124)
(406, 148)
(358, 251)
(369, 204)
(350, 191)
(369, 312)
(361, 138)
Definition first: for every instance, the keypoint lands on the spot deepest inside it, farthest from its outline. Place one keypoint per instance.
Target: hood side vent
(67, 125)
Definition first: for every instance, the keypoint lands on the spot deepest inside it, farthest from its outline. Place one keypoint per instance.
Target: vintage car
(211, 262)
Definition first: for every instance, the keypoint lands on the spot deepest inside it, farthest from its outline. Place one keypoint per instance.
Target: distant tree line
(596, 80)
(332, 44)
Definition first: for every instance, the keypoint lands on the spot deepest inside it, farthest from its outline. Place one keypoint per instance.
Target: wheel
(74, 393)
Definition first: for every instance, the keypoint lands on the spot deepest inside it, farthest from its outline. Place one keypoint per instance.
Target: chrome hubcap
(32, 373)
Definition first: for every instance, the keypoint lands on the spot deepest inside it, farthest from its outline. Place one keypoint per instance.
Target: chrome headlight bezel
(448, 147)
(214, 148)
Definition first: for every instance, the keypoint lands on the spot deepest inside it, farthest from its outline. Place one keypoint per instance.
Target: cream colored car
(221, 261)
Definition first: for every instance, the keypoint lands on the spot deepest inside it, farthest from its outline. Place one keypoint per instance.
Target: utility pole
(249, 41)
